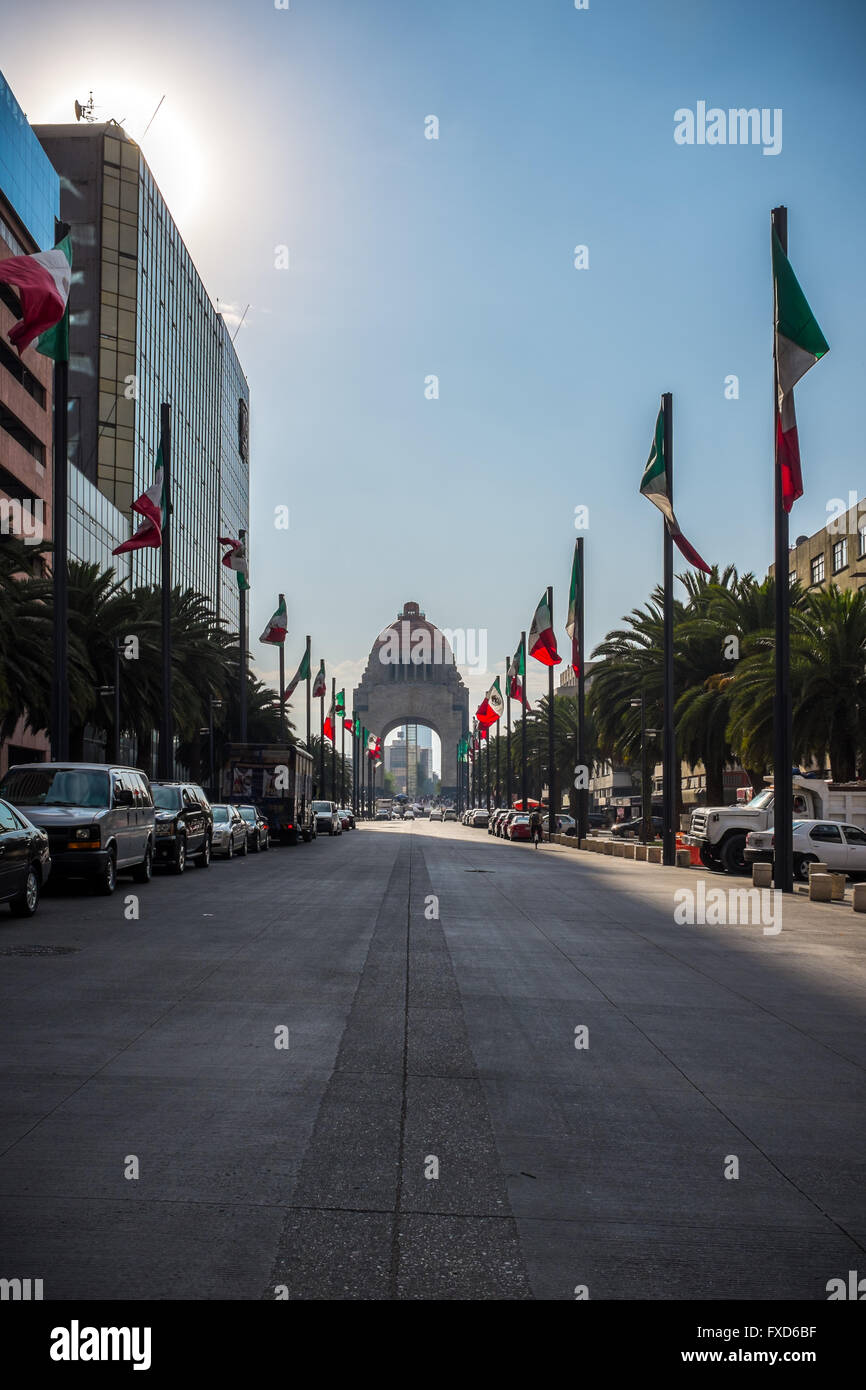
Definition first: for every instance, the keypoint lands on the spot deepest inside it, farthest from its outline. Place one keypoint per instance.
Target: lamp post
(212, 705)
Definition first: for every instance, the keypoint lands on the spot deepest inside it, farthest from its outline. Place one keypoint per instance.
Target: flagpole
(669, 752)
(498, 796)
(309, 677)
(243, 642)
(507, 732)
(487, 741)
(523, 791)
(60, 538)
(343, 752)
(165, 763)
(283, 734)
(551, 771)
(583, 792)
(783, 802)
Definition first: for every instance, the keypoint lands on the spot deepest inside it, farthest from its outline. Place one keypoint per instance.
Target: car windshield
(520, 820)
(248, 813)
(56, 786)
(221, 813)
(761, 801)
(166, 798)
(321, 805)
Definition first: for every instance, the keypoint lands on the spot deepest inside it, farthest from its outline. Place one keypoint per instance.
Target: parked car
(99, 818)
(480, 818)
(505, 824)
(347, 817)
(229, 831)
(383, 815)
(495, 818)
(841, 847)
(518, 828)
(436, 813)
(597, 820)
(408, 814)
(450, 814)
(396, 815)
(633, 827)
(25, 861)
(184, 824)
(327, 819)
(258, 837)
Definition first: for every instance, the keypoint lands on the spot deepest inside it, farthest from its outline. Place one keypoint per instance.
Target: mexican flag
(799, 344)
(301, 674)
(235, 559)
(349, 724)
(328, 729)
(654, 485)
(575, 596)
(356, 726)
(341, 702)
(491, 706)
(275, 632)
(151, 506)
(42, 282)
(320, 684)
(515, 678)
(542, 642)
(371, 743)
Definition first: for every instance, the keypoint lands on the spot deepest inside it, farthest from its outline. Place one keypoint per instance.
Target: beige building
(834, 555)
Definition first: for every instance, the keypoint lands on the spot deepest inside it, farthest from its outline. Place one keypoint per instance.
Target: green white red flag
(491, 706)
(278, 623)
(799, 344)
(328, 728)
(320, 684)
(515, 679)
(236, 559)
(151, 506)
(575, 598)
(301, 674)
(655, 484)
(542, 642)
(42, 282)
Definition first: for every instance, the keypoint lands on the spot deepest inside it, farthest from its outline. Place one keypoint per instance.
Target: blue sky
(411, 257)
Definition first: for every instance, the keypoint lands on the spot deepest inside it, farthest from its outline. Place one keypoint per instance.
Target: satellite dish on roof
(85, 112)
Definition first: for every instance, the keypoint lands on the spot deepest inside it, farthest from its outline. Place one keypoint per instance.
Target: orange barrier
(694, 852)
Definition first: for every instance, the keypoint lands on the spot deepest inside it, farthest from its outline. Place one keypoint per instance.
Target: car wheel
(230, 852)
(801, 866)
(732, 856)
(27, 901)
(257, 847)
(106, 883)
(245, 849)
(203, 860)
(179, 861)
(143, 872)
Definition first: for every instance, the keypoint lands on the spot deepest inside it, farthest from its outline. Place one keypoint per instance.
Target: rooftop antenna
(153, 117)
(85, 112)
(240, 325)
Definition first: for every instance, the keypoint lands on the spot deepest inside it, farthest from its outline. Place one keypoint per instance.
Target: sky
(304, 128)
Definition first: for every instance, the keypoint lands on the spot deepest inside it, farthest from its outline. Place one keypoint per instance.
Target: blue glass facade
(28, 180)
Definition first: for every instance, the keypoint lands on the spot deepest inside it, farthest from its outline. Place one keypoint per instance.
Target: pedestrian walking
(535, 827)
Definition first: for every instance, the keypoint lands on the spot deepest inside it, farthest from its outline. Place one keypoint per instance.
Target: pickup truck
(719, 832)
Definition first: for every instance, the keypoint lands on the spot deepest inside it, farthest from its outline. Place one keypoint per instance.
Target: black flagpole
(165, 762)
(309, 678)
(333, 740)
(551, 771)
(669, 751)
(523, 791)
(322, 745)
(282, 599)
(783, 803)
(583, 792)
(342, 753)
(507, 734)
(60, 573)
(243, 643)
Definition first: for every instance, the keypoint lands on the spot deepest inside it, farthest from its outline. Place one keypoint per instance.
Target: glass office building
(28, 180)
(144, 332)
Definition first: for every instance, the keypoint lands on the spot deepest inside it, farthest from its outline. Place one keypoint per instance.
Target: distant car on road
(347, 820)
(408, 814)
(98, 817)
(480, 817)
(184, 824)
(229, 831)
(518, 828)
(449, 814)
(503, 825)
(633, 827)
(25, 861)
(258, 837)
(384, 815)
(326, 818)
(436, 813)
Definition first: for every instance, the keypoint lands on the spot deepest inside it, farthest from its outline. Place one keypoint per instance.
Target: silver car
(229, 832)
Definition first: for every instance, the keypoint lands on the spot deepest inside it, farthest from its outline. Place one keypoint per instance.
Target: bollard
(820, 888)
(640, 852)
(762, 875)
(609, 847)
(817, 868)
(630, 851)
(654, 854)
(859, 897)
(837, 888)
(684, 859)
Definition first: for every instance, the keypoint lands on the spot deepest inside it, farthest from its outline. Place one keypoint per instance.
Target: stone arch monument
(411, 677)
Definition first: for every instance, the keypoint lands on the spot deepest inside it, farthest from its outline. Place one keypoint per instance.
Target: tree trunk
(715, 775)
(756, 778)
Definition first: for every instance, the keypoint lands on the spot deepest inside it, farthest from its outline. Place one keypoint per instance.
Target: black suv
(184, 824)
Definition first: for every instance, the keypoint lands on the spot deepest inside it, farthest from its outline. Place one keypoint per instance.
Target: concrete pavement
(431, 979)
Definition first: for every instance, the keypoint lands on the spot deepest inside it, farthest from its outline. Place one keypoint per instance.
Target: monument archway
(411, 678)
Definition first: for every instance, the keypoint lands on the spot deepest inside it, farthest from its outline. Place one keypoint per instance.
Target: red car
(519, 828)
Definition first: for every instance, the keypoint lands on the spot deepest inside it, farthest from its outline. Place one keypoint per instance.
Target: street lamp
(645, 793)
(212, 705)
(115, 691)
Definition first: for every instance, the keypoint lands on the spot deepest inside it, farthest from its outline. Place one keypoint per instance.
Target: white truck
(719, 832)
